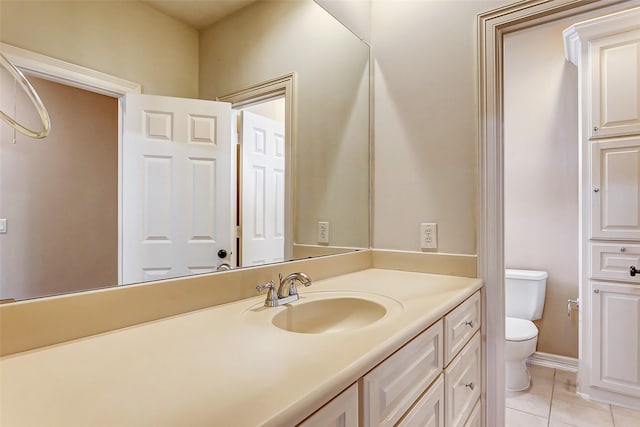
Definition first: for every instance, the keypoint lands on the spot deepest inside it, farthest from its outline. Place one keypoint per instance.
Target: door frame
(66, 73)
(492, 26)
(265, 91)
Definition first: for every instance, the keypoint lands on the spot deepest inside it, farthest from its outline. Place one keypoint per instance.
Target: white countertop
(226, 365)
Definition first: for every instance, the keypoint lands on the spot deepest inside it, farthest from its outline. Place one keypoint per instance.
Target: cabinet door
(616, 189)
(342, 411)
(428, 410)
(615, 343)
(615, 85)
(462, 383)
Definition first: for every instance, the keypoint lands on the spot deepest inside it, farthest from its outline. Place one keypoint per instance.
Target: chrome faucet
(287, 290)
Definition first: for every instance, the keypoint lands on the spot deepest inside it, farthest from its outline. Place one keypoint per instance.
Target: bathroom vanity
(409, 351)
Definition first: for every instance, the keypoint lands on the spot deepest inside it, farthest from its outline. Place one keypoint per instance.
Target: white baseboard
(549, 360)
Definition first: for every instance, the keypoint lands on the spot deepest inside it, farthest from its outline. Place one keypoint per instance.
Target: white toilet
(524, 300)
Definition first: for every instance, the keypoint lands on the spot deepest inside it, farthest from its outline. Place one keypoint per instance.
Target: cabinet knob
(622, 249)
(469, 323)
(595, 128)
(633, 270)
(470, 385)
(596, 291)
(596, 189)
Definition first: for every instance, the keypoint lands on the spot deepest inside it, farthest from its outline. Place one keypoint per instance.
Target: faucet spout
(288, 284)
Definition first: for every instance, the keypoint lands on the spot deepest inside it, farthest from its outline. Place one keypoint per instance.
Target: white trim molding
(492, 26)
(555, 361)
(67, 73)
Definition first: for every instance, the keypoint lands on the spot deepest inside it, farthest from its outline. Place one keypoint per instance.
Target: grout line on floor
(553, 389)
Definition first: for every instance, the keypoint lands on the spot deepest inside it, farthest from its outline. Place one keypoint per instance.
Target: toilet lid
(519, 329)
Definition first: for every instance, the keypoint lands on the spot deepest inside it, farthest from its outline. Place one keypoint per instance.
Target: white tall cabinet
(607, 53)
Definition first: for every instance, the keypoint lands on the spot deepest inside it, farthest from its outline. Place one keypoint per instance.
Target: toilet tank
(524, 293)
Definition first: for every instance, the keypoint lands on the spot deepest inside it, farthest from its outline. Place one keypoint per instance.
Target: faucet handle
(265, 286)
(272, 295)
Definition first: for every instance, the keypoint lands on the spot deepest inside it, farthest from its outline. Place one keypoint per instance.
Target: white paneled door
(263, 197)
(176, 186)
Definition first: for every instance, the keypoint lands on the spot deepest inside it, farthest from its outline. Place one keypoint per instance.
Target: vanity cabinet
(438, 370)
(415, 387)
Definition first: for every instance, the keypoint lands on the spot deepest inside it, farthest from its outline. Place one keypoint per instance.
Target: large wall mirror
(302, 189)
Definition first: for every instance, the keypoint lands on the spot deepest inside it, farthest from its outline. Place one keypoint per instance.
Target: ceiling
(198, 14)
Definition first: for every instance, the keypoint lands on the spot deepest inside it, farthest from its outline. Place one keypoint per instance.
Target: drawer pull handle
(470, 386)
(633, 270)
(469, 323)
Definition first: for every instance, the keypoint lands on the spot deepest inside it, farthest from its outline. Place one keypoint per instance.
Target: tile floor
(551, 401)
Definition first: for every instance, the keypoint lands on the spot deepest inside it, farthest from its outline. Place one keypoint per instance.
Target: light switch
(3, 225)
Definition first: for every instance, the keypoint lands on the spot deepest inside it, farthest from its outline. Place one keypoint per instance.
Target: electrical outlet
(323, 232)
(429, 235)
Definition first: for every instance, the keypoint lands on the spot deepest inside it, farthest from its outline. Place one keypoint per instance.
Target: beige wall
(271, 39)
(354, 14)
(59, 195)
(126, 39)
(274, 110)
(426, 115)
(541, 174)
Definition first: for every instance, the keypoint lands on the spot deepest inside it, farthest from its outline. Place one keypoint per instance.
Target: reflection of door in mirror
(262, 141)
(59, 195)
(176, 186)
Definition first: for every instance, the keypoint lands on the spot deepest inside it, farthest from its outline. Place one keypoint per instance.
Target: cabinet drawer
(342, 411)
(475, 419)
(612, 262)
(462, 383)
(460, 325)
(429, 409)
(392, 387)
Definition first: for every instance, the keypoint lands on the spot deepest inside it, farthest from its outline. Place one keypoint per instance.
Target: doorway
(275, 100)
(261, 183)
(492, 27)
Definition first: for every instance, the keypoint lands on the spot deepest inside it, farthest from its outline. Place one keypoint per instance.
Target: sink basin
(329, 315)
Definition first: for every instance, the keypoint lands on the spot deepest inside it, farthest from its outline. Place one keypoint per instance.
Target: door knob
(222, 253)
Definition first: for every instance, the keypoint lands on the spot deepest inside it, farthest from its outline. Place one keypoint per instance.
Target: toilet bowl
(524, 301)
(521, 338)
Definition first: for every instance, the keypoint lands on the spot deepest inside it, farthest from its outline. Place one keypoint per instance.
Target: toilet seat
(520, 329)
